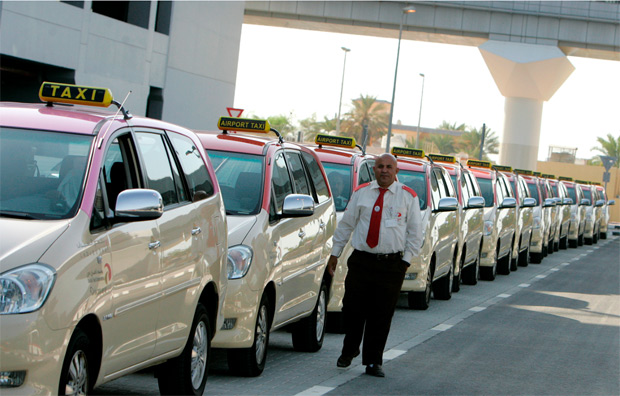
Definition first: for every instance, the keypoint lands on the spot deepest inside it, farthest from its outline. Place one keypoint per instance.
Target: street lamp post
(406, 10)
(417, 136)
(341, 87)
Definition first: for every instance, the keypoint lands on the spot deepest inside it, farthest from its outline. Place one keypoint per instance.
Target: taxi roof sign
(537, 174)
(407, 152)
(243, 125)
(565, 178)
(75, 94)
(479, 164)
(442, 158)
(524, 172)
(582, 182)
(503, 168)
(337, 141)
(548, 176)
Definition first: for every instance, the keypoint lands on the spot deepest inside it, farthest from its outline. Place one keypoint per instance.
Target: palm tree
(609, 147)
(444, 143)
(366, 111)
(469, 143)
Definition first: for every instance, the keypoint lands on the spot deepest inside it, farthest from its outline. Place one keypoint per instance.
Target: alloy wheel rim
(77, 382)
(261, 334)
(320, 316)
(199, 354)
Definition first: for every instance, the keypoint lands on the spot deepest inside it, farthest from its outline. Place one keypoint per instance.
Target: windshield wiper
(17, 215)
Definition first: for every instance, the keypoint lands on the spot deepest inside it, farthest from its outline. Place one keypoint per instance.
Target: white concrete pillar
(527, 75)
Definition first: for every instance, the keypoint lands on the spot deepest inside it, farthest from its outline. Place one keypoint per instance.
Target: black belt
(381, 256)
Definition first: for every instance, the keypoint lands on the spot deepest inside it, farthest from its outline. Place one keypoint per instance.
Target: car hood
(25, 241)
(238, 228)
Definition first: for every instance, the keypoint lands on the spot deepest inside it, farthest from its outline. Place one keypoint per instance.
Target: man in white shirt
(385, 220)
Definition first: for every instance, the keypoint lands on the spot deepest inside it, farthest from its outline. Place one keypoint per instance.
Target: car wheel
(471, 273)
(456, 284)
(572, 243)
(187, 373)
(489, 273)
(308, 334)
(421, 300)
(596, 236)
(603, 235)
(442, 288)
(75, 375)
(524, 257)
(588, 241)
(503, 264)
(557, 246)
(580, 240)
(250, 362)
(551, 247)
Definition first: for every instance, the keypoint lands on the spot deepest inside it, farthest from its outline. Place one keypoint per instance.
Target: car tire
(572, 243)
(187, 373)
(250, 362)
(422, 300)
(490, 273)
(564, 243)
(442, 288)
(557, 246)
(603, 235)
(75, 375)
(503, 264)
(456, 283)
(524, 257)
(580, 240)
(309, 332)
(551, 247)
(588, 241)
(471, 273)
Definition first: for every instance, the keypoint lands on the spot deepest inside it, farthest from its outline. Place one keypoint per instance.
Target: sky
(298, 73)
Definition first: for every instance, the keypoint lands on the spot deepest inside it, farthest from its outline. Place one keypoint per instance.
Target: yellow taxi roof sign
(407, 152)
(548, 176)
(442, 158)
(537, 174)
(75, 94)
(503, 168)
(565, 178)
(524, 172)
(582, 182)
(479, 164)
(243, 124)
(336, 141)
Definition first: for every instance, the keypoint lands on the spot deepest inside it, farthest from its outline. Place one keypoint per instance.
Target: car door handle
(154, 245)
(196, 231)
(301, 233)
(322, 226)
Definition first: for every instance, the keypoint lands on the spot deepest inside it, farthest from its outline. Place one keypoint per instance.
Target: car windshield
(339, 177)
(41, 173)
(486, 188)
(572, 194)
(416, 181)
(241, 179)
(533, 191)
(586, 194)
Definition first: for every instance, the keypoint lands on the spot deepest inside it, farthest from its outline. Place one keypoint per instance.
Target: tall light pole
(341, 87)
(417, 136)
(406, 10)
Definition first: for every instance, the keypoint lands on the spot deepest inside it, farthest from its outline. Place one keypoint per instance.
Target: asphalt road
(546, 329)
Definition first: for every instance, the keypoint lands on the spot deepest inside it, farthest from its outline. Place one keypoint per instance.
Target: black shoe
(375, 370)
(345, 360)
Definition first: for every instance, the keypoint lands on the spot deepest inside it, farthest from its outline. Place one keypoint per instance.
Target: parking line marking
(442, 327)
(565, 264)
(477, 309)
(393, 354)
(554, 269)
(525, 285)
(540, 276)
(316, 391)
(504, 295)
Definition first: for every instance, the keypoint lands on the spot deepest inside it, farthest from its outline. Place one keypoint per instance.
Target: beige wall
(589, 173)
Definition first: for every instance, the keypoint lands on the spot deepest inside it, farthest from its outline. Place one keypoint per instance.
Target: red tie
(375, 220)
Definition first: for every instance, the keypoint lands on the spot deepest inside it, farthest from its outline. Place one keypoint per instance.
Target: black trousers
(372, 288)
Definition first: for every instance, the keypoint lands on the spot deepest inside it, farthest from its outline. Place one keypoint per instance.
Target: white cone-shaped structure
(527, 75)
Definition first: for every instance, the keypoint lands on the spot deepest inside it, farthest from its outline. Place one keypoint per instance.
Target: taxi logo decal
(75, 94)
(408, 152)
(339, 141)
(442, 158)
(243, 124)
(107, 273)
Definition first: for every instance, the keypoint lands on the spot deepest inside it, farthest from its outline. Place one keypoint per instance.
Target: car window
(465, 191)
(587, 195)
(417, 182)
(320, 186)
(161, 174)
(500, 190)
(572, 194)
(366, 173)
(339, 177)
(241, 178)
(486, 189)
(42, 173)
(281, 181)
(192, 164)
(534, 192)
(300, 179)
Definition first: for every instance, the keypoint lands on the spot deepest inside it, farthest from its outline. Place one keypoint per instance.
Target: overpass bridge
(524, 44)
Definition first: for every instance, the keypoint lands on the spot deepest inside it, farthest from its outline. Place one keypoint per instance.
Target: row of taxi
(129, 242)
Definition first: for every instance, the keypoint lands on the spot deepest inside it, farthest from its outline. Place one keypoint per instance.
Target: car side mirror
(509, 203)
(138, 204)
(611, 202)
(549, 202)
(298, 205)
(447, 204)
(584, 202)
(600, 202)
(529, 202)
(567, 201)
(475, 202)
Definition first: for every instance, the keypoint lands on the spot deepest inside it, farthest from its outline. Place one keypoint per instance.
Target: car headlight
(25, 289)
(536, 222)
(488, 228)
(239, 260)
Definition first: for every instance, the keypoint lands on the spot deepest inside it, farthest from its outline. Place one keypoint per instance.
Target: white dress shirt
(401, 221)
